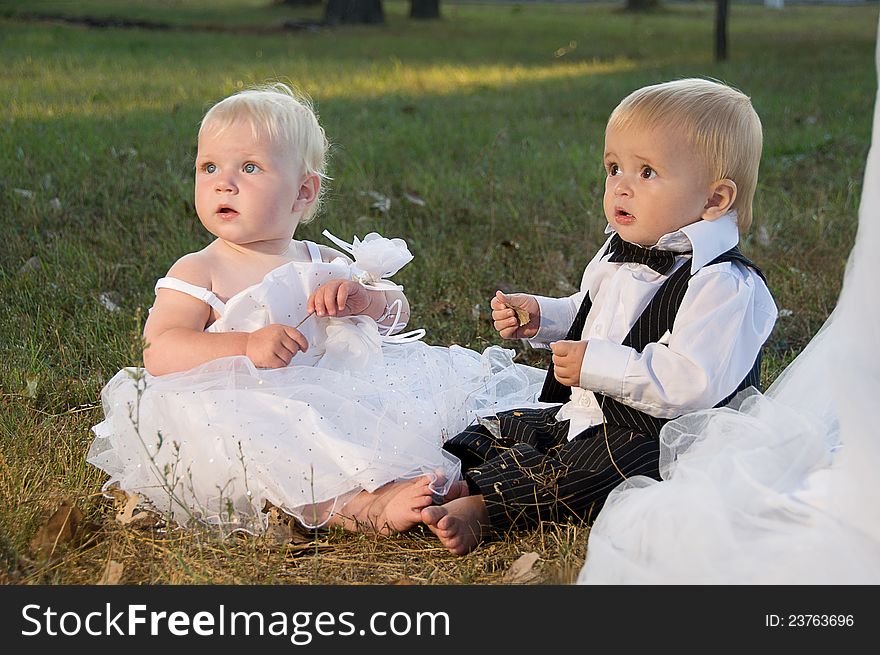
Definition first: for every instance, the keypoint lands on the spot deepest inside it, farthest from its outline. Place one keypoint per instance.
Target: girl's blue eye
(210, 168)
(250, 167)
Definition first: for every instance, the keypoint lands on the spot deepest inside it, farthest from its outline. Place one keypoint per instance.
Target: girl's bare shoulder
(196, 267)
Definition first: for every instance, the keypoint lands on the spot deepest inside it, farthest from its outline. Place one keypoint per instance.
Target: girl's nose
(225, 184)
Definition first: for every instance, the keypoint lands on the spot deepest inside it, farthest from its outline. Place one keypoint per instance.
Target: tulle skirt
(744, 500)
(215, 443)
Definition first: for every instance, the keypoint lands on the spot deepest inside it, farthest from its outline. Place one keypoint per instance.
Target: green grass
(493, 115)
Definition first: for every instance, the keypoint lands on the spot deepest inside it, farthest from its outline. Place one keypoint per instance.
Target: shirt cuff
(604, 367)
(556, 319)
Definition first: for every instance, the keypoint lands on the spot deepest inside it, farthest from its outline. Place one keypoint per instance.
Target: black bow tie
(661, 261)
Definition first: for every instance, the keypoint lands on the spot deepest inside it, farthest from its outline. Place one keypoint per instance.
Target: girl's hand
(505, 318)
(568, 357)
(341, 298)
(275, 345)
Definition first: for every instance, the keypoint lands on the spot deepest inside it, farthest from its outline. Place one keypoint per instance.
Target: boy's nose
(622, 188)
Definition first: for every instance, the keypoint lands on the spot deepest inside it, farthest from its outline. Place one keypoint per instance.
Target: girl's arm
(174, 331)
(176, 337)
(349, 298)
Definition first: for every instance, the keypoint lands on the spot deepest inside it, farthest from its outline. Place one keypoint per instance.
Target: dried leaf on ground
(30, 389)
(58, 529)
(522, 570)
(32, 264)
(282, 528)
(112, 573)
(404, 581)
(127, 512)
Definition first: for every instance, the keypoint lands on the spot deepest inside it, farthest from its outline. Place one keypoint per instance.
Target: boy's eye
(613, 169)
(250, 167)
(648, 172)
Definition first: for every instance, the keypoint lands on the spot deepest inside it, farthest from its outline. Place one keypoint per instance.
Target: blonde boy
(670, 319)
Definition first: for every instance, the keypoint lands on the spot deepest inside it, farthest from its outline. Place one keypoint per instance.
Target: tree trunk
(354, 11)
(641, 5)
(721, 30)
(424, 9)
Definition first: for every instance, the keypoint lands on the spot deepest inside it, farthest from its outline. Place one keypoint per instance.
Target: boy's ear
(721, 196)
(308, 192)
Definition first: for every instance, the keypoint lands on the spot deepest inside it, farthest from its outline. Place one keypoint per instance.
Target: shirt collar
(707, 239)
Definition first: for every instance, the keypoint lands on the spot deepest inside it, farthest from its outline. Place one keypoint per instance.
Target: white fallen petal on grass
(381, 201)
(414, 199)
(108, 304)
(24, 193)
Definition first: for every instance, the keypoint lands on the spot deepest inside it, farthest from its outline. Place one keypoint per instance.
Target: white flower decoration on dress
(375, 258)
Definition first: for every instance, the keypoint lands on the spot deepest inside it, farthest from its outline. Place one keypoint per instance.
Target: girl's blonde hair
(276, 112)
(718, 121)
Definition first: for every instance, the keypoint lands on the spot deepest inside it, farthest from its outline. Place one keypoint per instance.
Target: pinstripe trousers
(533, 473)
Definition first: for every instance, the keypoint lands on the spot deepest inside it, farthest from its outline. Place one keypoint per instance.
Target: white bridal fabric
(783, 490)
(357, 410)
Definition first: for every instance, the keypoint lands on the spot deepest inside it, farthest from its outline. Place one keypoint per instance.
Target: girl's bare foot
(393, 507)
(457, 489)
(459, 523)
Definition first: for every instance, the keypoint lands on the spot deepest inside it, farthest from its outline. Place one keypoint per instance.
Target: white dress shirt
(725, 317)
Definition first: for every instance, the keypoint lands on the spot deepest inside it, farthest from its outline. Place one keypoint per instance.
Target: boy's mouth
(622, 216)
(226, 211)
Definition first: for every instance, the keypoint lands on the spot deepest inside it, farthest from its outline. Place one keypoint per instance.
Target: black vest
(654, 322)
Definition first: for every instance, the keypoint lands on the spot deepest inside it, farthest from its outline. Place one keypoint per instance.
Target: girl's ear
(308, 192)
(721, 196)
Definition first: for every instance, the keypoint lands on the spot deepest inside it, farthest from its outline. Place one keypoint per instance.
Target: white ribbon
(375, 258)
(403, 337)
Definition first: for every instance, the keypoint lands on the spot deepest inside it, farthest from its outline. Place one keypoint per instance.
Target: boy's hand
(339, 298)
(275, 345)
(505, 319)
(568, 356)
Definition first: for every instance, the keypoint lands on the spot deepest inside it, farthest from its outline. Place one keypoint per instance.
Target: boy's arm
(724, 319)
(557, 315)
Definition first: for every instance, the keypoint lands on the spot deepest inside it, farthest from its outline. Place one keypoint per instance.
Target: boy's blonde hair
(718, 121)
(277, 112)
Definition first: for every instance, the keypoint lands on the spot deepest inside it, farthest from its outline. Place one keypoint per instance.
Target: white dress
(782, 490)
(355, 411)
